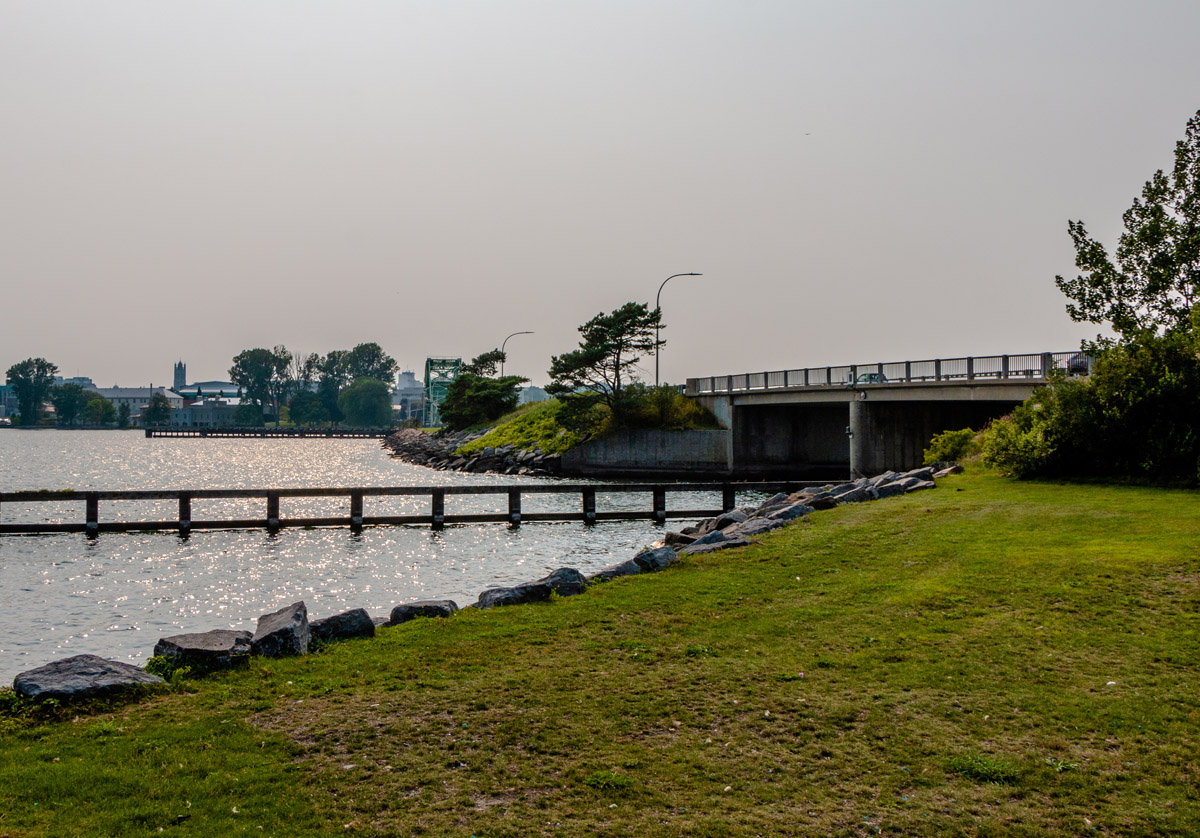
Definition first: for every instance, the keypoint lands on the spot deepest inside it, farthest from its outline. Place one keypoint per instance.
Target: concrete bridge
(866, 418)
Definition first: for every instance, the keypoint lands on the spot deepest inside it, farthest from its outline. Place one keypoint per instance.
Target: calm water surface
(116, 595)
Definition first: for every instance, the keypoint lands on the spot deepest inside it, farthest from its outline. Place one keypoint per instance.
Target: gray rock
(345, 626)
(655, 560)
(629, 567)
(81, 676)
(711, 537)
(880, 479)
(772, 503)
(566, 581)
(424, 608)
(516, 595)
(815, 490)
(283, 632)
(921, 484)
(888, 490)
(757, 526)
(699, 549)
(920, 473)
(678, 539)
(822, 502)
(841, 489)
(380, 622)
(206, 650)
(791, 513)
(852, 496)
(949, 470)
(728, 518)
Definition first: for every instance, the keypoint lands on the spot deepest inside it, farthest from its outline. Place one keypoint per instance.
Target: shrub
(985, 768)
(950, 446)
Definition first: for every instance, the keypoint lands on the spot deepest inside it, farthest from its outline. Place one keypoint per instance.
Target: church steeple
(180, 377)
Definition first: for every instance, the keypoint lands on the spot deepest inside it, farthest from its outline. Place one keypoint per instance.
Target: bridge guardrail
(1032, 366)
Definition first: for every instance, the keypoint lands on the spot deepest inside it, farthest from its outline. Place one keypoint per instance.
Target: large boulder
(206, 650)
(713, 537)
(948, 470)
(424, 608)
(888, 490)
(822, 502)
(791, 513)
(81, 676)
(345, 626)
(734, 516)
(654, 560)
(678, 539)
(712, 547)
(854, 495)
(629, 567)
(566, 581)
(925, 473)
(757, 526)
(516, 595)
(283, 632)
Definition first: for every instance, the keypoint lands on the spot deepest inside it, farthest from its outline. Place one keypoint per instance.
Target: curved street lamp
(505, 343)
(658, 308)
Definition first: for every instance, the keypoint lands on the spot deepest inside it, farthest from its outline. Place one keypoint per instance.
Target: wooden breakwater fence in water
(355, 518)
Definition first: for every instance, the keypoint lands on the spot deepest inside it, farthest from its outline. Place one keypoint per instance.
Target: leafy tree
(367, 403)
(100, 411)
(1155, 281)
(69, 400)
(485, 364)
(474, 399)
(158, 411)
(606, 361)
(31, 381)
(307, 408)
(248, 415)
(122, 415)
(332, 377)
(368, 360)
(263, 375)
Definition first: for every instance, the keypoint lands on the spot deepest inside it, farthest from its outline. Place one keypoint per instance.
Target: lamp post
(658, 308)
(505, 343)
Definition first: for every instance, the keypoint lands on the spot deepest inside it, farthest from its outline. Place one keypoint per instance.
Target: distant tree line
(32, 381)
(352, 386)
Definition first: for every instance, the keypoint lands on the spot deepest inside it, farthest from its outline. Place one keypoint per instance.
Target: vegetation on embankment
(989, 658)
(530, 426)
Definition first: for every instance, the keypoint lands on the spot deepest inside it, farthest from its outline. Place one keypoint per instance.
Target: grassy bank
(990, 658)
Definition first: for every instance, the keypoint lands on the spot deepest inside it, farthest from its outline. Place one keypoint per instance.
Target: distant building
(79, 380)
(408, 401)
(8, 401)
(180, 377)
(210, 413)
(138, 397)
(532, 394)
(210, 389)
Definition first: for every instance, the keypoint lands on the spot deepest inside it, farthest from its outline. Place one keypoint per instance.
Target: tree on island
(1155, 282)
(100, 411)
(31, 381)
(262, 374)
(306, 408)
(368, 360)
(69, 400)
(367, 403)
(606, 361)
(158, 411)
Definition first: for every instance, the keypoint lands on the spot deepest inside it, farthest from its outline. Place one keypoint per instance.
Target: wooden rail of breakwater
(356, 519)
(261, 433)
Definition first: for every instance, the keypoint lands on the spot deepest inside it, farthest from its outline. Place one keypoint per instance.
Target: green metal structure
(439, 373)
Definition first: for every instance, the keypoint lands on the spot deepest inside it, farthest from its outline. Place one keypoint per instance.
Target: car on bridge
(865, 378)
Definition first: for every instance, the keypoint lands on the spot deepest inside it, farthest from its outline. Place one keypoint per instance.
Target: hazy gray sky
(858, 181)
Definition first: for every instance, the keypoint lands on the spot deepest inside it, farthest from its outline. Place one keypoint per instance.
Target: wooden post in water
(272, 512)
(728, 498)
(92, 515)
(660, 506)
(589, 506)
(185, 514)
(356, 512)
(514, 508)
(439, 508)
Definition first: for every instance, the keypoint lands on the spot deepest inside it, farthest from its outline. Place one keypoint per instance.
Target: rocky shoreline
(288, 631)
(436, 451)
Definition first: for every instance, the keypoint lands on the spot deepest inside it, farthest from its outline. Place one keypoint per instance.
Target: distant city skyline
(856, 182)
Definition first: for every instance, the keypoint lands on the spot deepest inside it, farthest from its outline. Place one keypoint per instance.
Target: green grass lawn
(989, 658)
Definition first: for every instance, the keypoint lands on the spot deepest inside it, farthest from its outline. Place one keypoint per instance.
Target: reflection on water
(118, 594)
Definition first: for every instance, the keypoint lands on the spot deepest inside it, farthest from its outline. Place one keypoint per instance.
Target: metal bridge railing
(1034, 366)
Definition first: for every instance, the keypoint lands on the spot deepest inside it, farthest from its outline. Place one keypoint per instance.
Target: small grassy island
(992, 658)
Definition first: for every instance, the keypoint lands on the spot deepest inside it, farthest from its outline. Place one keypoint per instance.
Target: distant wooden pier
(271, 433)
(355, 518)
